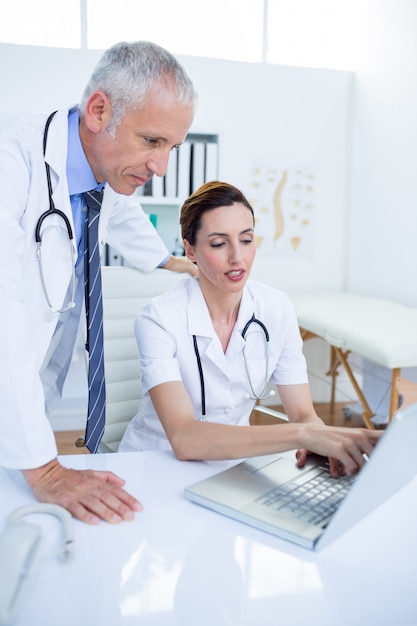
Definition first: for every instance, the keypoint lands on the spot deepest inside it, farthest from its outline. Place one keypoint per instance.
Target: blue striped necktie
(96, 416)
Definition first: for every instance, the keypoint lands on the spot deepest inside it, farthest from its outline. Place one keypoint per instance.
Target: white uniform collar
(199, 322)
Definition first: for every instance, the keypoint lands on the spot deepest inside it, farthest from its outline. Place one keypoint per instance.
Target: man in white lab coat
(137, 107)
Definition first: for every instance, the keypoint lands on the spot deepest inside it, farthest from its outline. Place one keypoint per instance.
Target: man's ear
(98, 112)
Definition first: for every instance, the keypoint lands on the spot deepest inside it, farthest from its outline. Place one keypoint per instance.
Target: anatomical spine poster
(283, 199)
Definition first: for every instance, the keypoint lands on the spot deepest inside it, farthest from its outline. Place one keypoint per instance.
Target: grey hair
(127, 72)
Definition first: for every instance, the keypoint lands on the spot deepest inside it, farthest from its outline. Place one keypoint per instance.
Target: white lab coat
(26, 324)
(164, 330)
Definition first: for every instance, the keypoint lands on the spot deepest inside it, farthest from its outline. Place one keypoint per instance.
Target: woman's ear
(98, 112)
(189, 250)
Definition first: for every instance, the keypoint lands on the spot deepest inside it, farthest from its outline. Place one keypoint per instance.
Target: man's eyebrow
(152, 136)
(150, 133)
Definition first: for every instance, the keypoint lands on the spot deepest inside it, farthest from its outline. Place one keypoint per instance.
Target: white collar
(199, 322)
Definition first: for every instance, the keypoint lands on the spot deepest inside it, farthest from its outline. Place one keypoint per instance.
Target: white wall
(273, 114)
(264, 115)
(382, 253)
(42, 79)
(382, 258)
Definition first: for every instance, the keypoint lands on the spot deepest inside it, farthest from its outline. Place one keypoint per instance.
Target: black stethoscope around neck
(38, 237)
(254, 396)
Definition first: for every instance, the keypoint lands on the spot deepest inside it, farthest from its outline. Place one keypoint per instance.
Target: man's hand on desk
(88, 495)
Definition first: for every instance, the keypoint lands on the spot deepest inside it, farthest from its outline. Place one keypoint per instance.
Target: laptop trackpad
(278, 467)
(242, 484)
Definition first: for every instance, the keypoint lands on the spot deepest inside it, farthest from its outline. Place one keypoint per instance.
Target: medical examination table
(380, 330)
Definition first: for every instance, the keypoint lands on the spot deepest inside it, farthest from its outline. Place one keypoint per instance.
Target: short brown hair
(209, 196)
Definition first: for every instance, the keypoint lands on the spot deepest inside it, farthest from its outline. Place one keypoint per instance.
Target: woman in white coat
(204, 359)
(121, 135)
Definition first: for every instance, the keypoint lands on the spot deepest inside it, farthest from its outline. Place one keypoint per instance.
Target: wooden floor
(66, 440)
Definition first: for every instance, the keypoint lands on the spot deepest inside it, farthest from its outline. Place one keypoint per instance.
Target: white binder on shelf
(170, 180)
(198, 157)
(211, 166)
(184, 153)
(157, 186)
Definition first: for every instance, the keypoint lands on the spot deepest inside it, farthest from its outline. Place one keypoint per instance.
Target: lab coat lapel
(200, 325)
(246, 310)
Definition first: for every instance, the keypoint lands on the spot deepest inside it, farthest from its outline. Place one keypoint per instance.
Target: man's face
(141, 144)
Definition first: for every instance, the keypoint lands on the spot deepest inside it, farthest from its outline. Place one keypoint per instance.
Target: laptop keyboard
(311, 499)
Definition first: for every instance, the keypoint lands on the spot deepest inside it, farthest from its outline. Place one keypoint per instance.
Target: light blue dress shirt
(80, 177)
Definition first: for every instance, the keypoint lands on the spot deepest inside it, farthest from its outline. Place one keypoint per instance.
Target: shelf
(161, 201)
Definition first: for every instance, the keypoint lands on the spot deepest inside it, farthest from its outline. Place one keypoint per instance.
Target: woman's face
(225, 248)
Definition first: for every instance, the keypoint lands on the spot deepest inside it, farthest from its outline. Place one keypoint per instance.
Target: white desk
(179, 564)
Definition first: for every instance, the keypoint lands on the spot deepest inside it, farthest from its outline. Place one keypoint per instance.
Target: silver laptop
(307, 506)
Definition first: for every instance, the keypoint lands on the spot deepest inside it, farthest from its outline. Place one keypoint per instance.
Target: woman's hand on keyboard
(346, 448)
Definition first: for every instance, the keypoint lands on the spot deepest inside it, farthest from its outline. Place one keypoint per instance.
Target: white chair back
(125, 291)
